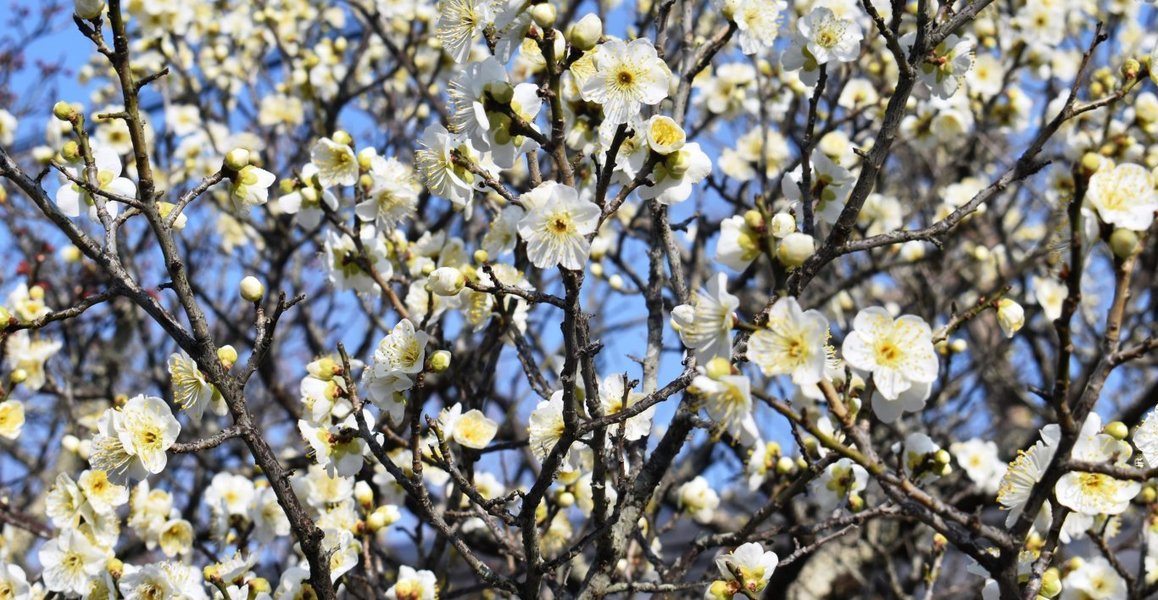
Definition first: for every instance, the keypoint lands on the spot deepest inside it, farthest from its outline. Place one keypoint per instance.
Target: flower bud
(64, 111)
(754, 220)
(1124, 243)
(342, 137)
(720, 590)
(376, 521)
(794, 249)
(942, 457)
(363, 494)
(544, 15)
(70, 151)
(1051, 583)
(718, 367)
(481, 256)
(1091, 162)
(89, 9)
(586, 32)
(1148, 495)
(166, 208)
(227, 355)
(503, 93)
(664, 135)
(251, 289)
(1010, 316)
(1130, 68)
(1117, 430)
(615, 281)
(855, 503)
(783, 225)
(959, 345)
(785, 466)
(18, 376)
(70, 442)
(440, 361)
(258, 586)
(565, 499)
(116, 567)
(446, 281)
(237, 159)
(678, 163)
(5, 318)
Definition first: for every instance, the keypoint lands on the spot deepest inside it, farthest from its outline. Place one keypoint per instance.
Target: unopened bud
(341, 137)
(783, 225)
(754, 220)
(565, 499)
(544, 15)
(1117, 430)
(794, 249)
(446, 281)
(1130, 68)
(5, 318)
(237, 159)
(228, 356)
(18, 376)
(785, 466)
(116, 567)
(942, 457)
(481, 256)
(259, 585)
(363, 494)
(251, 289)
(1051, 583)
(855, 503)
(89, 9)
(1124, 243)
(1091, 162)
(586, 32)
(63, 111)
(1010, 316)
(718, 367)
(440, 361)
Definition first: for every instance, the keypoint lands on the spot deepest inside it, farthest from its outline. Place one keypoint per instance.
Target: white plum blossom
(627, 76)
(556, 226)
(792, 342)
(980, 461)
(107, 164)
(697, 498)
(336, 163)
(1095, 494)
(705, 324)
(133, 441)
(413, 585)
(1124, 196)
(749, 565)
(398, 358)
(897, 353)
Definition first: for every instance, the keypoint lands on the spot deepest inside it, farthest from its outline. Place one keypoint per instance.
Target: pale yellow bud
(1124, 243)
(64, 111)
(446, 281)
(237, 159)
(544, 15)
(251, 289)
(1117, 430)
(783, 225)
(342, 137)
(586, 32)
(440, 361)
(227, 355)
(794, 249)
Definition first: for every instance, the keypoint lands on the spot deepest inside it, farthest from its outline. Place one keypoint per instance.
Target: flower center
(887, 353)
(624, 77)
